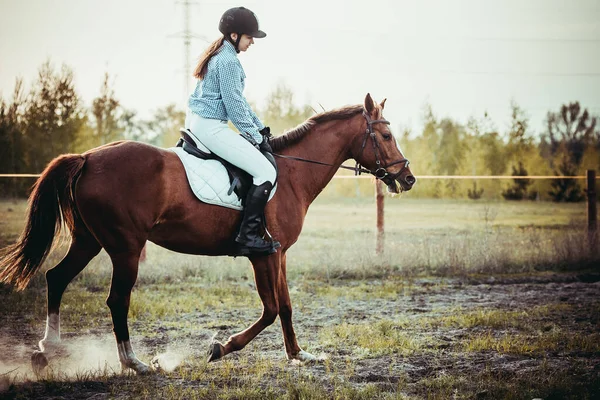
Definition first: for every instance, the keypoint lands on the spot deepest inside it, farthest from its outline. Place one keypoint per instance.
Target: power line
(525, 39)
(524, 73)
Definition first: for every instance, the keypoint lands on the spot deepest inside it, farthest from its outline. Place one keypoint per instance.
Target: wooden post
(380, 232)
(592, 211)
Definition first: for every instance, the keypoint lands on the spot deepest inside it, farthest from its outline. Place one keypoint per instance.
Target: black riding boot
(249, 239)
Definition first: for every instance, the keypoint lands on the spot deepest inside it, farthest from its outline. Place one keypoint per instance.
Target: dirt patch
(475, 338)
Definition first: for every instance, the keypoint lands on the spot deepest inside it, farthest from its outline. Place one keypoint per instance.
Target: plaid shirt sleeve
(238, 109)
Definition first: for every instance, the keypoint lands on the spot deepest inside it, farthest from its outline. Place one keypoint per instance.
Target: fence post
(592, 212)
(380, 232)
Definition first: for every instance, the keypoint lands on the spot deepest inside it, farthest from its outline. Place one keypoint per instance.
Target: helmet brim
(258, 34)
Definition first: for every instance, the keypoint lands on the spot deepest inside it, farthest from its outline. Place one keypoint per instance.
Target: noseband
(380, 170)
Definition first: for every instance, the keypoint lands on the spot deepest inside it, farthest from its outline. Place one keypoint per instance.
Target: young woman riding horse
(120, 195)
(217, 99)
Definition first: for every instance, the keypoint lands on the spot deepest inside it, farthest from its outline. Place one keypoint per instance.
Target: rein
(380, 171)
(321, 163)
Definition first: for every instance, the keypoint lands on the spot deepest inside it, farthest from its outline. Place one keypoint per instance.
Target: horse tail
(51, 204)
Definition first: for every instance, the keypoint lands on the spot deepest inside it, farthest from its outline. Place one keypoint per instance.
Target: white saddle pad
(209, 180)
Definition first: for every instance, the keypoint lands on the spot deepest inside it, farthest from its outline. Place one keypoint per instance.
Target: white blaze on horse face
(52, 335)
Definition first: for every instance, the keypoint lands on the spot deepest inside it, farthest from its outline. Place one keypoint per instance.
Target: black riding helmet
(240, 20)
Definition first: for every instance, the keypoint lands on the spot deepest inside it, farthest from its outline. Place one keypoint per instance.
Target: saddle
(240, 180)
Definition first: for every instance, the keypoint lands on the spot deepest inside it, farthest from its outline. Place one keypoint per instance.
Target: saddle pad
(209, 180)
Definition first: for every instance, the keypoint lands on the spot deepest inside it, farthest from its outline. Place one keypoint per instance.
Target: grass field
(469, 300)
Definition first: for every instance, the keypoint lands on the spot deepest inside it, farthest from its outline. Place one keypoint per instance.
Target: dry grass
(423, 238)
(340, 290)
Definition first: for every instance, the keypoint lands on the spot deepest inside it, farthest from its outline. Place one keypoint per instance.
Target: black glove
(266, 132)
(264, 146)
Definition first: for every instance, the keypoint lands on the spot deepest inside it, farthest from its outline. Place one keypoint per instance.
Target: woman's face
(245, 41)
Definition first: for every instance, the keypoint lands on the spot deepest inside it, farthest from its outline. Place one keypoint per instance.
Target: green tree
(428, 143)
(166, 123)
(520, 150)
(569, 131)
(11, 141)
(53, 116)
(107, 115)
(281, 113)
(518, 191)
(451, 152)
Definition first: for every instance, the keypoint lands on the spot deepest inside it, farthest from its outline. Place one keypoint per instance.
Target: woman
(218, 98)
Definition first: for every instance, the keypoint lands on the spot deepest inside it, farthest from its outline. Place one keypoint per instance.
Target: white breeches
(227, 144)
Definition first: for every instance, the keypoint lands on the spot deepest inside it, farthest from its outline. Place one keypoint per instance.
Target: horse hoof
(215, 351)
(38, 361)
(156, 365)
(304, 357)
(136, 366)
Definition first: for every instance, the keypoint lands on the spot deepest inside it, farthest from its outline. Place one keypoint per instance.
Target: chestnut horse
(120, 195)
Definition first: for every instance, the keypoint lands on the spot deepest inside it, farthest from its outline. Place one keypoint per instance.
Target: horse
(120, 195)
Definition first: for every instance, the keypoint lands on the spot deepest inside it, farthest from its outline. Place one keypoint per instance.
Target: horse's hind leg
(83, 248)
(125, 269)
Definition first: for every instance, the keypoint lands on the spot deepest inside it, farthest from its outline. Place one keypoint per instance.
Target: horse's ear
(382, 104)
(369, 104)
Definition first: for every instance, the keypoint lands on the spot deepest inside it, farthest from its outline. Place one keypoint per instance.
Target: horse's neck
(326, 143)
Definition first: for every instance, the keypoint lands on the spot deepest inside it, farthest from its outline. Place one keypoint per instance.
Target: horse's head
(378, 150)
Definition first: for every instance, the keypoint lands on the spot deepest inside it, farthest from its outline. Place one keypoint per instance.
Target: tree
(518, 191)
(518, 149)
(430, 142)
(519, 140)
(565, 189)
(107, 113)
(281, 113)
(570, 131)
(451, 151)
(139, 130)
(53, 116)
(573, 129)
(11, 140)
(166, 123)
(475, 193)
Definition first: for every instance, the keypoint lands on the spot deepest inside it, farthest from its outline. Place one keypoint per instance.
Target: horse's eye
(387, 136)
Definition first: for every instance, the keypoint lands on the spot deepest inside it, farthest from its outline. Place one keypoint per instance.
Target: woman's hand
(266, 132)
(265, 146)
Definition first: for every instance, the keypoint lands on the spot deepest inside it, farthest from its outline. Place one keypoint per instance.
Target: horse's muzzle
(407, 182)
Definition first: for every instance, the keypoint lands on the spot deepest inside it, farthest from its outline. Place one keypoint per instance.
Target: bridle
(380, 171)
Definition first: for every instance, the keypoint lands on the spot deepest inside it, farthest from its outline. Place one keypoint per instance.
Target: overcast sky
(462, 56)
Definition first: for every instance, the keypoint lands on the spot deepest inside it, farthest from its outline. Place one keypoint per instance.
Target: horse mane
(294, 135)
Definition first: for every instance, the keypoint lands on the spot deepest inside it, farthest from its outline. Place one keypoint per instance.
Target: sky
(463, 57)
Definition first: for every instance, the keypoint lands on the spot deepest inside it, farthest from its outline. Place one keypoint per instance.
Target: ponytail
(202, 66)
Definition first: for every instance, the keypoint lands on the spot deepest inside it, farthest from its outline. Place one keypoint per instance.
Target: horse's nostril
(410, 179)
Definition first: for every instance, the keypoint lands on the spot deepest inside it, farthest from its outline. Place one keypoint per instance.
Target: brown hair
(202, 66)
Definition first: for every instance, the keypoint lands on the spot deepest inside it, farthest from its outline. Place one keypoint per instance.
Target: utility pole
(187, 36)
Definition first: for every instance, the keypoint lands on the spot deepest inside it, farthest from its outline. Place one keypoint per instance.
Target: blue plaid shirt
(219, 94)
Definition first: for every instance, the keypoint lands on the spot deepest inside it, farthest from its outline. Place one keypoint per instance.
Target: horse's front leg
(293, 351)
(266, 276)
